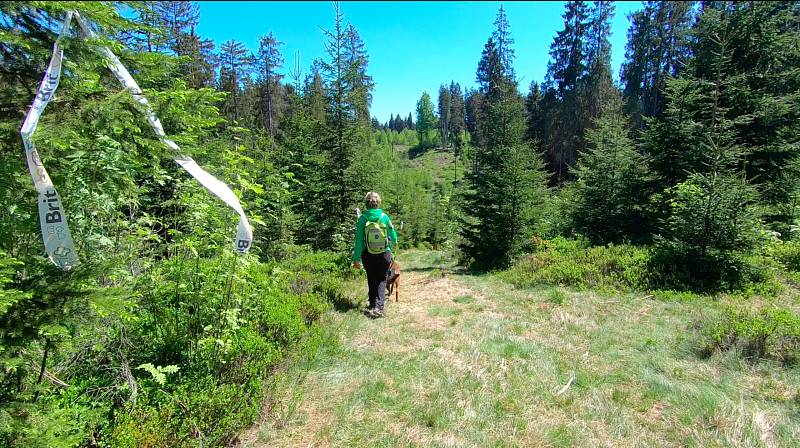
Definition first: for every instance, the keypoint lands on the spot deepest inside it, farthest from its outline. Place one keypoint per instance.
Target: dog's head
(394, 272)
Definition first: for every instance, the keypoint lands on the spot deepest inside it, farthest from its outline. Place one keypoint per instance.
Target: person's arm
(359, 242)
(392, 234)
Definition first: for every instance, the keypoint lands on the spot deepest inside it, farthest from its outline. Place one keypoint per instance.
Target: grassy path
(468, 361)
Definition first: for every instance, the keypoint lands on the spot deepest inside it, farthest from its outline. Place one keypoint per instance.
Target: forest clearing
(594, 215)
(466, 360)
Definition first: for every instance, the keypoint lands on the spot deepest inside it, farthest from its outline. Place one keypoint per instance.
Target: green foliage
(9, 296)
(426, 122)
(556, 296)
(710, 221)
(612, 183)
(573, 263)
(159, 373)
(158, 287)
(502, 202)
(787, 253)
(751, 52)
(771, 333)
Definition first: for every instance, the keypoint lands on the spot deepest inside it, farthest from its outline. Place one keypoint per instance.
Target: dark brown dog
(393, 280)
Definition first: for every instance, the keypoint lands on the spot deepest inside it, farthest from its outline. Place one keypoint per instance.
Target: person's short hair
(372, 200)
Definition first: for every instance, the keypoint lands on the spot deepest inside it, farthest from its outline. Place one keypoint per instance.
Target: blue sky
(413, 46)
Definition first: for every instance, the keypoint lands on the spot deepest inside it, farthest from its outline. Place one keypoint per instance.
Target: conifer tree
(314, 95)
(507, 184)
(565, 72)
(268, 61)
(597, 86)
(426, 121)
(456, 119)
(444, 115)
(359, 82)
(536, 114)
(348, 91)
(199, 68)
(759, 85)
(657, 49)
(709, 215)
(473, 117)
(755, 83)
(612, 181)
(234, 70)
(504, 42)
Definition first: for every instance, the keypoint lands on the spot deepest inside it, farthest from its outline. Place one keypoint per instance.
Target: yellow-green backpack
(375, 236)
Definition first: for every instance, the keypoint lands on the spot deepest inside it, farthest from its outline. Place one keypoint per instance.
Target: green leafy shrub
(787, 253)
(772, 333)
(576, 264)
(322, 262)
(716, 271)
(232, 332)
(573, 263)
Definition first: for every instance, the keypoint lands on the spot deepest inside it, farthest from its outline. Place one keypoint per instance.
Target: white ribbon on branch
(55, 232)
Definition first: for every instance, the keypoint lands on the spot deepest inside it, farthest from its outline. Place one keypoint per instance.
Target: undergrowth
(769, 333)
(190, 362)
(576, 264)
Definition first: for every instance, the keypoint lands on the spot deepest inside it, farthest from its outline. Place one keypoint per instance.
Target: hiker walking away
(375, 238)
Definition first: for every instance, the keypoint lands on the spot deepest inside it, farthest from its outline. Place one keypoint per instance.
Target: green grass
(474, 361)
(439, 164)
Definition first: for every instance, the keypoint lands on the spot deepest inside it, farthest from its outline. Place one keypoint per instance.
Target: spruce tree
(756, 82)
(200, 60)
(314, 95)
(506, 185)
(444, 115)
(657, 49)
(456, 117)
(709, 215)
(473, 117)
(565, 72)
(597, 86)
(359, 82)
(348, 92)
(760, 84)
(267, 64)
(536, 114)
(612, 182)
(235, 64)
(504, 42)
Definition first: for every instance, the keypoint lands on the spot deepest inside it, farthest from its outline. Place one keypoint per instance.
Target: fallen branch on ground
(566, 386)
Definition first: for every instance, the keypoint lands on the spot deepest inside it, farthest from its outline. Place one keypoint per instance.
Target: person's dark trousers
(376, 266)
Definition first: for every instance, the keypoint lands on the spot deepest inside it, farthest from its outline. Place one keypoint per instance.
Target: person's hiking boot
(370, 312)
(377, 314)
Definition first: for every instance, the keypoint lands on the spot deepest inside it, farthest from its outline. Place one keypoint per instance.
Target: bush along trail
(471, 360)
(585, 262)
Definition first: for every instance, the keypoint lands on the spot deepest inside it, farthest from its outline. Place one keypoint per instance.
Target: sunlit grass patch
(464, 299)
(556, 296)
(486, 367)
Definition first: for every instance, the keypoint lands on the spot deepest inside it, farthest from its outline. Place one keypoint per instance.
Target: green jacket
(372, 215)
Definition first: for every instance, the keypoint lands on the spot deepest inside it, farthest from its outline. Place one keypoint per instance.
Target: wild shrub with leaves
(576, 264)
(769, 333)
(162, 336)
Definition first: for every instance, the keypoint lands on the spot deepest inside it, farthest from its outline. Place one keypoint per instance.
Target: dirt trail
(418, 321)
(469, 361)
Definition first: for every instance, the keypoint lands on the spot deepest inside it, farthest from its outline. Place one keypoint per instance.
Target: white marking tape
(55, 231)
